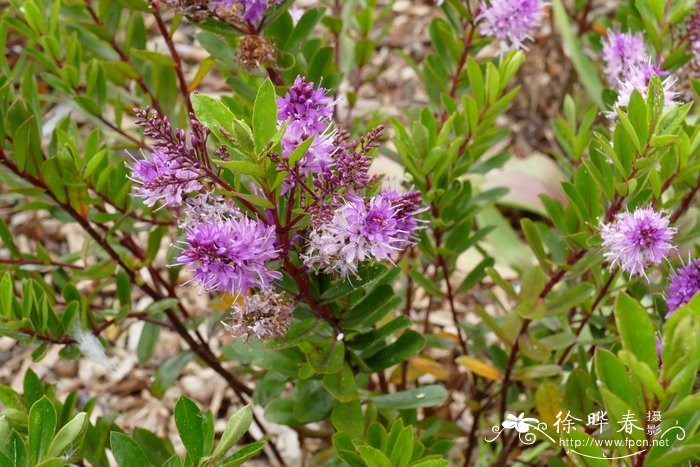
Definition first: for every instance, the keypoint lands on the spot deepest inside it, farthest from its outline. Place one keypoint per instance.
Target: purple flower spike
(635, 240)
(229, 255)
(511, 21)
(621, 52)
(309, 107)
(166, 177)
(684, 284)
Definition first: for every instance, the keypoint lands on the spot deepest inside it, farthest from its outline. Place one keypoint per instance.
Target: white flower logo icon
(520, 423)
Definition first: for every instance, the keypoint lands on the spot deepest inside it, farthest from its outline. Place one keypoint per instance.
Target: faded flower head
(634, 240)
(265, 315)
(206, 207)
(511, 21)
(306, 106)
(363, 230)
(621, 52)
(255, 52)
(638, 79)
(166, 177)
(684, 284)
(229, 255)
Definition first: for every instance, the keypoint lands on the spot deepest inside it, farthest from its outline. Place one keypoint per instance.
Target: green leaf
(311, 402)
(648, 378)
(587, 72)
(347, 417)
(168, 371)
(6, 294)
(281, 411)
(536, 371)
(427, 284)
(126, 452)
(173, 461)
(242, 167)
(636, 330)
(300, 151)
(67, 435)
(327, 358)
(342, 384)
(158, 450)
(407, 345)
(147, 341)
(153, 57)
(235, 429)
(190, 426)
(687, 406)
(245, 453)
(302, 29)
(258, 201)
(216, 116)
(33, 389)
(16, 450)
(425, 396)
(613, 375)
(41, 426)
(369, 303)
(264, 115)
(373, 457)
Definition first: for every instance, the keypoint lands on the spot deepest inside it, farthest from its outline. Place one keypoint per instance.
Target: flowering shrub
(450, 279)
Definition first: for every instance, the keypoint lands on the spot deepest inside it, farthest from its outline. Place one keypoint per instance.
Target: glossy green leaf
(425, 396)
(67, 435)
(126, 451)
(190, 426)
(264, 115)
(235, 429)
(41, 427)
(636, 330)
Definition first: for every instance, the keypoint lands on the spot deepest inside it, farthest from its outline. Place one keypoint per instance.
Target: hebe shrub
(476, 309)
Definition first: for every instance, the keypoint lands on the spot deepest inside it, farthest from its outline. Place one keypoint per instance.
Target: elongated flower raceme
(621, 52)
(511, 21)
(308, 111)
(635, 240)
(265, 315)
(684, 284)
(308, 106)
(229, 255)
(166, 177)
(363, 230)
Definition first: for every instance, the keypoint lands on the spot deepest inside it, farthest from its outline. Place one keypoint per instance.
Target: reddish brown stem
(177, 61)
(22, 261)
